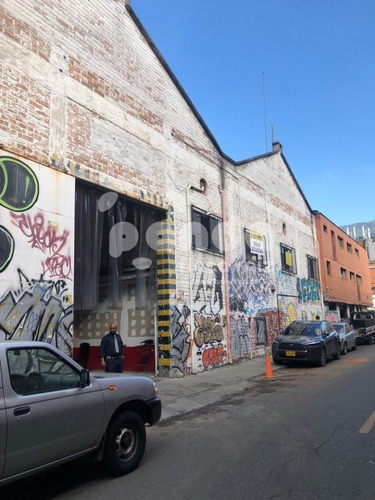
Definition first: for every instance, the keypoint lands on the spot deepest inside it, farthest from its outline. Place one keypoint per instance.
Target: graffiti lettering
(214, 357)
(46, 239)
(308, 290)
(207, 329)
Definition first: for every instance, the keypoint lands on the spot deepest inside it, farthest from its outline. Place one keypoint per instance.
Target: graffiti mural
(35, 302)
(308, 290)
(249, 287)
(36, 311)
(180, 346)
(207, 288)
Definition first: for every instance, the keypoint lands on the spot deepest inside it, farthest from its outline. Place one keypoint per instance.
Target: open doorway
(115, 273)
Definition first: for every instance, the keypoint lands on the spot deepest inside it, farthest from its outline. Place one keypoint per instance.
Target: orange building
(344, 271)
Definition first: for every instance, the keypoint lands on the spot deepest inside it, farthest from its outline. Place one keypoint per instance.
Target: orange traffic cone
(269, 373)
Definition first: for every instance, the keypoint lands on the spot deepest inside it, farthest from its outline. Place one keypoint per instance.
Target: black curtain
(88, 243)
(145, 279)
(100, 260)
(116, 214)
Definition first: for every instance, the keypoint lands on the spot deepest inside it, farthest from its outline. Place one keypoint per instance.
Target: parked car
(348, 336)
(52, 410)
(310, 341)
(364, 325)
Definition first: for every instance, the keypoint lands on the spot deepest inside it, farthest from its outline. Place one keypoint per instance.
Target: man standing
(111, 350)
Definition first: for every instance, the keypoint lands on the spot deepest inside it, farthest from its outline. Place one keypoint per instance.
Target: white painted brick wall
(108, 104)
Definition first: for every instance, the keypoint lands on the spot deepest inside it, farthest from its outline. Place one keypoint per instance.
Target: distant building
(345, 272)
(364, 233)
(360, 230)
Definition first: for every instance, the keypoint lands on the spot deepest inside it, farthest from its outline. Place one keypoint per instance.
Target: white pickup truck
(52, 411)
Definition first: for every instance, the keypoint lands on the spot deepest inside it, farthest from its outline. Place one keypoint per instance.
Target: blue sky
(315, 64)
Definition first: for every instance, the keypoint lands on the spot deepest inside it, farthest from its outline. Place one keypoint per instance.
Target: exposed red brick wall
(334, 287)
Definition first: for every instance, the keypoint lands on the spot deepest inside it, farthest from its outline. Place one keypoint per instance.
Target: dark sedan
(310, 341)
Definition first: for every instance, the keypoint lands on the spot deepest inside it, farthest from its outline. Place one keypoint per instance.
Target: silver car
(347, 336)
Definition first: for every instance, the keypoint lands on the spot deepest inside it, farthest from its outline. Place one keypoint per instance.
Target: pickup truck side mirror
(84, 379)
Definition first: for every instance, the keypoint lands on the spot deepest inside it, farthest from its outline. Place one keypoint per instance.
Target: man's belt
(113, 357)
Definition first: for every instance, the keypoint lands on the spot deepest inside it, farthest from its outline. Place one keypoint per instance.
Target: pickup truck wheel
(125, 443)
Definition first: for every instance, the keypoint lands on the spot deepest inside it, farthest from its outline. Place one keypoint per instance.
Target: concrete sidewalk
(182, 395)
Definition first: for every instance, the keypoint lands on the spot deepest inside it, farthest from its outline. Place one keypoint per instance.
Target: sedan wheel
(323, 357)
(345, 350)
(338, 352)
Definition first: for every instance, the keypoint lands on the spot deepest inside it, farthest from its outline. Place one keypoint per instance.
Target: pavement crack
(318, 448)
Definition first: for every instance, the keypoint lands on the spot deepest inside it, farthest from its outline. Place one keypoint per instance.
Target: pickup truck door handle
(22, 410)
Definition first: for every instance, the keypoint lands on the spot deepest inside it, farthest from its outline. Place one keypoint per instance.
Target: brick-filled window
(312, 268)
(288, 259)
(328, 268)
(206, 231)
(255, 247)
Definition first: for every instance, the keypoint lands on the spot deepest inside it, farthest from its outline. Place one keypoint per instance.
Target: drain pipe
(226, 284)
(189, 246)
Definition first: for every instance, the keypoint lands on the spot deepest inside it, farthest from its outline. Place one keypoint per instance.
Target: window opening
(255, 247)
(288, 259)
(206, 231)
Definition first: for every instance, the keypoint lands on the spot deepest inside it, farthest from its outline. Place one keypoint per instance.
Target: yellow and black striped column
(166, 278)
